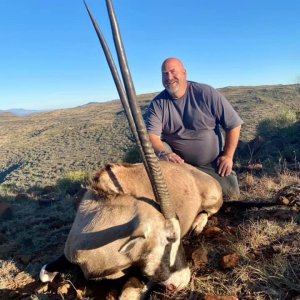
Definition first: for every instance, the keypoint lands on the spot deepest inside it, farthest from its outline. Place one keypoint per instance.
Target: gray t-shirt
(190, 124)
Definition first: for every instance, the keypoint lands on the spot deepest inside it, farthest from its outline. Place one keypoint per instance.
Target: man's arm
(225, 161)
(160, 150)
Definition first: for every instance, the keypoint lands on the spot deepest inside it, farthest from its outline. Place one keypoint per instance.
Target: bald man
(184, 121)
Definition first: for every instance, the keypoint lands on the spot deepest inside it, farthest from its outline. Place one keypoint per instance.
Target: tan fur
(191, 190)
(118, 222)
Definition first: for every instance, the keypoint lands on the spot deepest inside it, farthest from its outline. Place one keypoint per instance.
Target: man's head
(174, 77)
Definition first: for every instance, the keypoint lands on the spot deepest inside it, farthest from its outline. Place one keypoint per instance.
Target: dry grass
(37, 151)
(266, 239)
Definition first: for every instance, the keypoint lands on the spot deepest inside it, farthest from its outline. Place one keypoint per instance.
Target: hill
(38, 149)
(21, 111)
(247, 251)
(6, 114)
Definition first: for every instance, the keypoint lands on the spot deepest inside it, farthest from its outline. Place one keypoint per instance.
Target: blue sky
(50, 56)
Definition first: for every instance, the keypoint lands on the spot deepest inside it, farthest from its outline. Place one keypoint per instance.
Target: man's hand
(225, 164)
(225, 161)
(172, 157)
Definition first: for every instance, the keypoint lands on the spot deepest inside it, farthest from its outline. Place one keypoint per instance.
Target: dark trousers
(229, 184)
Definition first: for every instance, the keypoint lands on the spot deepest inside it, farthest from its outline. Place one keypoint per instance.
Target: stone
(214, 297)
(48, 189)
(64, 289)
(200, 257)
(284, 200)
(43, 289)
(211, 232)
(230, 261)
(22, 197)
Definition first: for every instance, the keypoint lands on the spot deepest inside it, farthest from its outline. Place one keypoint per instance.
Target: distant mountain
(6, 114)
(21, 112)
(89, 104)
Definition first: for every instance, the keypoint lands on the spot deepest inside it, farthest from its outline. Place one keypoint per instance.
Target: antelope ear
(130, 244)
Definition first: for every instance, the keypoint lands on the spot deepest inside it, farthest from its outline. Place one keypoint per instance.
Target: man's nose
(168, 75)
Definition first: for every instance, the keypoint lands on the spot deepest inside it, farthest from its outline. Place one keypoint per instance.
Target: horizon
(138, 95)
(51, 57)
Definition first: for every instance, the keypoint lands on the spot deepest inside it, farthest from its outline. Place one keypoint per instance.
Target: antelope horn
(133, 112)
(153, 163)
(120, 89)
(115, 75)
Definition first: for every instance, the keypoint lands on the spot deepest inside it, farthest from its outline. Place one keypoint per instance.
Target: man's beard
(172, 89)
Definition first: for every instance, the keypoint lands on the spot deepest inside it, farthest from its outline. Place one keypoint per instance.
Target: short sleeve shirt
(191, 124)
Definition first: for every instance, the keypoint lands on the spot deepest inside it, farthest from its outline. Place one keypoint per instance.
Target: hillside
(245, 252)
(20, 112)
(38, 149)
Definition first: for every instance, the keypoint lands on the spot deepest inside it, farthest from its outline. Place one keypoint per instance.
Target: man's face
(174, 77)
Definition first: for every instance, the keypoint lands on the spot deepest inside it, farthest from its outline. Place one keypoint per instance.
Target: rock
(5, 211)
(230, 261)
(284, 200)
(282, 215)
(80, 294)
(43, 289)
(48, 189)
(47, 199)
(255, 167)
(289, 195)
(213, 221)
(211, 232)
(35, 195)
(64, 289)
(214, 297)
(199, 257)
(22, 197)
(231, 230)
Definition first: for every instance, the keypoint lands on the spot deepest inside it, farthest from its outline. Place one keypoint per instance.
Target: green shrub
(72, 182)
(7, 188)
(282, 138)
(276, 125)
(132, 155)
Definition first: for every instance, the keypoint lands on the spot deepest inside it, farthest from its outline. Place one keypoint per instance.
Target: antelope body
(119, 224)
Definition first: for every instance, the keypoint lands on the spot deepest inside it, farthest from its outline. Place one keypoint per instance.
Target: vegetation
(72, 182)
(45, 163)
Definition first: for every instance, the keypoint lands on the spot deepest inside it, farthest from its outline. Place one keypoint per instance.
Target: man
(184, 121)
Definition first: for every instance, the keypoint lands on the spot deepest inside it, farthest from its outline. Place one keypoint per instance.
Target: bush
(132, 155)
(282, 135)
(72, 182)
(281, 123)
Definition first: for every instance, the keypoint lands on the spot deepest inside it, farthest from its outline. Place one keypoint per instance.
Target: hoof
(46, 276)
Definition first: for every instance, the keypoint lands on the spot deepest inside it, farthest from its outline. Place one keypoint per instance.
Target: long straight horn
(116, 77)
(120, 89)
(154, 166)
